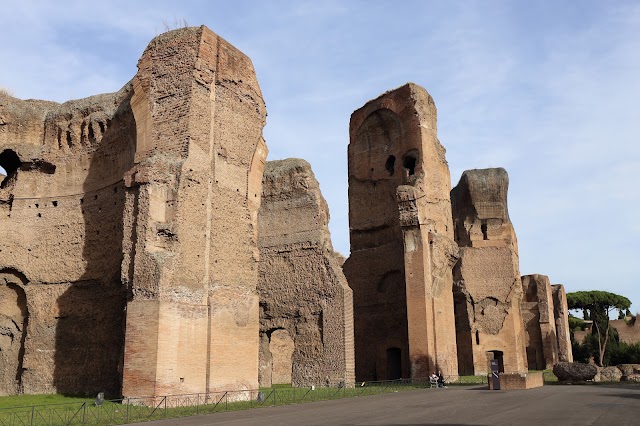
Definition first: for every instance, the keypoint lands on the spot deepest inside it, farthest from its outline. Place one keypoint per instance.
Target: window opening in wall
(483, 228)
(477, 337)
(389, 165)
(10, 162)
(410, 161)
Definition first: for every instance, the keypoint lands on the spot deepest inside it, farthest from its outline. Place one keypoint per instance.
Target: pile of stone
(579, 372)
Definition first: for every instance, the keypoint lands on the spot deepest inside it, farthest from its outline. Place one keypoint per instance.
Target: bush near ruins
(617, 352)
(596, 306)
(625, 353)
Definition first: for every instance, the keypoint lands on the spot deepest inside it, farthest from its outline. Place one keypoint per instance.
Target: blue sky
(548, 90)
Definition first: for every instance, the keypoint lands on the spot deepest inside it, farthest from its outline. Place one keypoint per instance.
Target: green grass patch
(29, 400)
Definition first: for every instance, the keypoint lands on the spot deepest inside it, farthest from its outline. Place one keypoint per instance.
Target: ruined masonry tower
(487, 287)
(402, 247)
(190, 237)
(306, 305)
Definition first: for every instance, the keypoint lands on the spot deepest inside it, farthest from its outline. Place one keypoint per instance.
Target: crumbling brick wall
(148, 198)
(539, 322)
(487, 287)
(191, 218)
(401, 233)
(306, 306)
(61, 212)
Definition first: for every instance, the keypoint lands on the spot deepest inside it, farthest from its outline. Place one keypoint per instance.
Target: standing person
(441, 380)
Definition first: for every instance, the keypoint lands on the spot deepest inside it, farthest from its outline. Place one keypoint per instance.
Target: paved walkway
(549, 405)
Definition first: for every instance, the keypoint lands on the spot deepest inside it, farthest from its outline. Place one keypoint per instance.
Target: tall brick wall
(401, 239)
(191, 217)
(304, 295)
(487, 287)
(539, 322)
(561, 316)
(61, 212)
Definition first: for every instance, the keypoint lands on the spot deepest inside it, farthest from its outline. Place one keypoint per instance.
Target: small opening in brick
(55, 203)
(477, 337)
(389, 165)
(409, 163)
(483, 228)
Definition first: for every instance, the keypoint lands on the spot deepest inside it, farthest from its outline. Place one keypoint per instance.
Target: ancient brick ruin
(146, 198)
(306, 306)
(149, 249)
(402, 247)
(487, 287)
(61, 212)
(190, 225)
(546, 318)
(409, 277)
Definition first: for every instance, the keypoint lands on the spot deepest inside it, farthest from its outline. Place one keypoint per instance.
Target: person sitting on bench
(441, 380)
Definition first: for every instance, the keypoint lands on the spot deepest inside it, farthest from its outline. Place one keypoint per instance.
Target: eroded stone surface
(561, 315)
(306, 316)
(401, 232)
(539, 322)
(487, 286)
(61, 212)
(608, 374)
(193, 195)
(574, 371)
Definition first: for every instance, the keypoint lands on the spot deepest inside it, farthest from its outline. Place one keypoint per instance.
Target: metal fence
(131, 410)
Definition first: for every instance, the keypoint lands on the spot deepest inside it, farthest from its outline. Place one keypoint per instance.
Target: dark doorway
(10, 163)
(394, 363)
(532, 358)
(498, 356)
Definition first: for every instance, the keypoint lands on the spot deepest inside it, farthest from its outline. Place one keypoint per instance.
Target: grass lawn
(30, 400)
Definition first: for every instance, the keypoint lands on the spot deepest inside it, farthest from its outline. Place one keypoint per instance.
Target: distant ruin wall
(487, 287)
(561, 315)
(306, 314)
(628, 330)
(539, 322)
(401, 233)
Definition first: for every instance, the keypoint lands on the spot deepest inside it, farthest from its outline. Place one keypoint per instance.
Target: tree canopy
(597, 300)
(596, 306)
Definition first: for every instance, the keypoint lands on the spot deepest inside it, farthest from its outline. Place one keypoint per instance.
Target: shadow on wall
(14, 319)
(91, 312)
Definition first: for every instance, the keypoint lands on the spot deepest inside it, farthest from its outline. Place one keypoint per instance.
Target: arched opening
(410, 163)
(390, 164)
(281, 346)
(10, 162)
(14, 317)
(394, 363)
